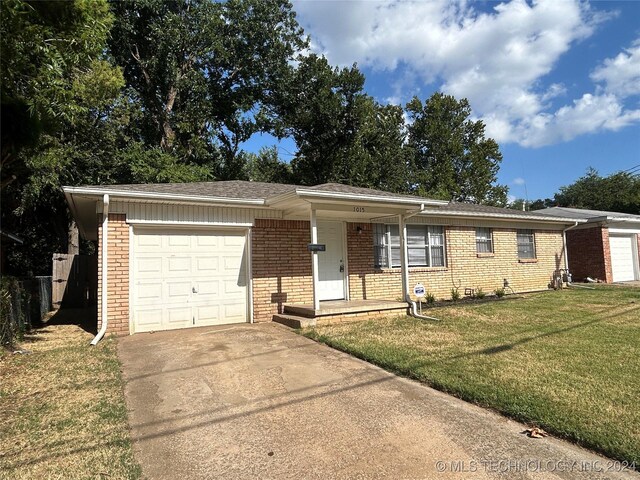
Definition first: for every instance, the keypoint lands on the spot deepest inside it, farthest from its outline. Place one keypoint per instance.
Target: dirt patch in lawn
(62, 410)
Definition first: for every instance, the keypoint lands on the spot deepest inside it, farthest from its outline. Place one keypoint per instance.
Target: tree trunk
(73, 242)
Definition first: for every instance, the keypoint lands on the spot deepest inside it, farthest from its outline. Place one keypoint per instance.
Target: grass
(62, 409)
(567, 361)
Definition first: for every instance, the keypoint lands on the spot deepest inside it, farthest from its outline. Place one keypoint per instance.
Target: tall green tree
(619, 192)
(450, 156)
(57, 86)
(342, 134)
(205, 73)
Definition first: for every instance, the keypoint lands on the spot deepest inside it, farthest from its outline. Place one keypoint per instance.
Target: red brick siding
(589, 253)
(281, 266)
(118, 275)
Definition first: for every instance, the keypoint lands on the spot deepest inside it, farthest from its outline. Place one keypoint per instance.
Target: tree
(266, 166)
(450, 156)
(53, 70)
(531, 205)
(619, 192)
(342, 134)
(57, 85)
(205, 73)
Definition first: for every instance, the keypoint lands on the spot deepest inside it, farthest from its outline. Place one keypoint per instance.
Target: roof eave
(367, 198)
(503, 216)
(123, 194)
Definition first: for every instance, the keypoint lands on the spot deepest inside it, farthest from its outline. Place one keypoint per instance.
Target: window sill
(527, 260)
(485, 255)
(411, 269)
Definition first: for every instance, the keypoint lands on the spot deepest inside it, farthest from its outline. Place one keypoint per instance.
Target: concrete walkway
(259, 401)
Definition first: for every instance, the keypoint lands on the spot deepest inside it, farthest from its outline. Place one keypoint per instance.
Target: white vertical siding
(190, 214)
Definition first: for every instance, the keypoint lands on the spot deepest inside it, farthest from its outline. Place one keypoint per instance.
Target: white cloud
(497, 59)
(621, 75)
(518, 181)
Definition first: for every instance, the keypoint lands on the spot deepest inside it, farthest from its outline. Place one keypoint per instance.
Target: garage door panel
(178, 240)
(188, 278)
(210, 289)
(179, 316)
(149, 292)
(206, 265)
(149, 266)
(207, 315)
(233, 313)
(622, 257)
(207, 241)
(178, 265)
(150, 241)
(149, 319)
(178, 291)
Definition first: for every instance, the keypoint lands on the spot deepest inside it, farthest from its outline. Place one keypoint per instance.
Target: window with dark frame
(425, 246)
(484, 240)
(526, 244)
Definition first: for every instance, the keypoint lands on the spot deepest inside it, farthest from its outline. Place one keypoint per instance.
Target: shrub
(479, 293)
(455, 294)
(500, 292)
(430, 298)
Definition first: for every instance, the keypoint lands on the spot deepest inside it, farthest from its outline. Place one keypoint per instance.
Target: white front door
(331, 262)
(622, 257)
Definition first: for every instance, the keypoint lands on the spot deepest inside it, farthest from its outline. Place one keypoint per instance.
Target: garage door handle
(193, 289)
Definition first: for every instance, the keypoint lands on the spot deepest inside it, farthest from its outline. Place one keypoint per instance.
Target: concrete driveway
(259, 401)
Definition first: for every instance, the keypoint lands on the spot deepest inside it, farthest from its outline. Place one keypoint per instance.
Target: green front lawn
(62, 409)
(566, 361)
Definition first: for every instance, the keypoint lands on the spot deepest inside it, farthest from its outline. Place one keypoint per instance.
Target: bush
(430, 298)
(500, 292)
(13, 319)
(479, 293)
(455, 294)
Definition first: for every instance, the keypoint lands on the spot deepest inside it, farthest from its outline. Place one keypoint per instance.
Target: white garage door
(188, 279)
(622, 257)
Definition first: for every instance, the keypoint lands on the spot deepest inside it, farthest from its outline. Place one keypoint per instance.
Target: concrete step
(294, 321)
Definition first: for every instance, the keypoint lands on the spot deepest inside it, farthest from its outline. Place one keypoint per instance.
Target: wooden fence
(74, 281)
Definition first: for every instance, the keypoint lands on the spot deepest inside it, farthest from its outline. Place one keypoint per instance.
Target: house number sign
(358, 209)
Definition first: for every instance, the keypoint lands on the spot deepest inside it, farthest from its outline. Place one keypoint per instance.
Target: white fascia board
(168, 197)
(74, 211)
(368, 198)
(501, 216)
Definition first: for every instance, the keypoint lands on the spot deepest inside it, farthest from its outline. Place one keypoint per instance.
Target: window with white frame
(425, 246)
(526, 244)
(484, 240)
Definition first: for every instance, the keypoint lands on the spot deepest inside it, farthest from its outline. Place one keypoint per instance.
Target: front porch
(332, 311)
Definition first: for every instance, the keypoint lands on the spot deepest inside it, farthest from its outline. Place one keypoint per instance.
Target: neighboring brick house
(604, 246)
(182, 255)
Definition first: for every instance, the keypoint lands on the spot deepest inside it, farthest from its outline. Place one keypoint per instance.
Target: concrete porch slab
(341, 307)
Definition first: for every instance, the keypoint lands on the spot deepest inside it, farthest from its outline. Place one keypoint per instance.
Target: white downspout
(105, 241)
(564, 245)
(404, 262)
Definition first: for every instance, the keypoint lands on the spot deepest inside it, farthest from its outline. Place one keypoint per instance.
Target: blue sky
(556, 82)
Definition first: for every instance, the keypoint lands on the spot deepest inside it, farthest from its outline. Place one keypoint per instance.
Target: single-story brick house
(181, 255)
(604, 246)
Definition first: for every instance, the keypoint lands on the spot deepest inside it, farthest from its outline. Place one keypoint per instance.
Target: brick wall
(118, 277)
(465, 268)
(589, 254)
(281, 266)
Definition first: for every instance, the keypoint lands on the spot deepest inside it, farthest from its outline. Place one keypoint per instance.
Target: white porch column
(404, 262)
(314, 260)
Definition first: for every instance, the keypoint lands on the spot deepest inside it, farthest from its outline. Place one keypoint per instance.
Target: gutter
(566, 251)
(506, 216)
(353, 197)
(105, 242)
(162, 196)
